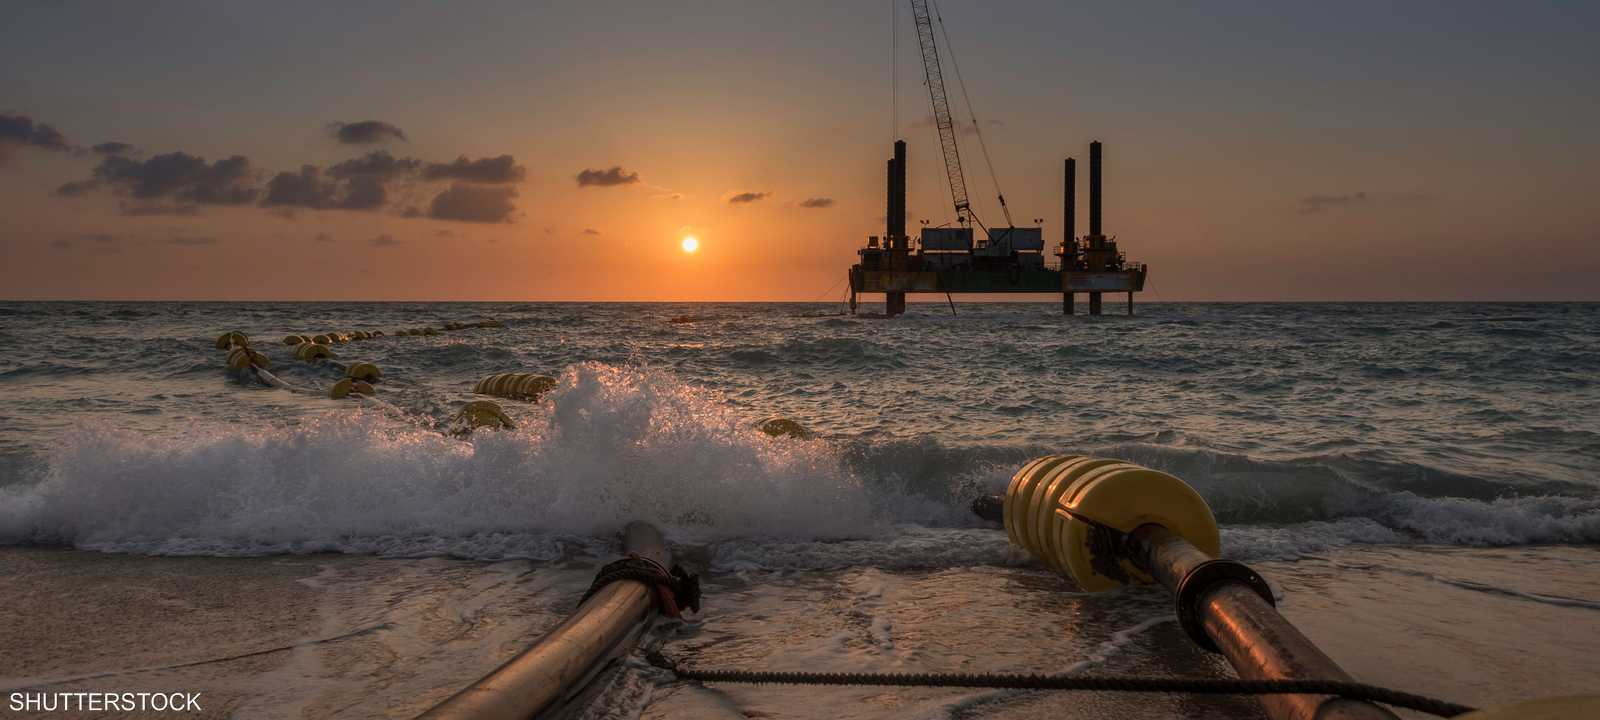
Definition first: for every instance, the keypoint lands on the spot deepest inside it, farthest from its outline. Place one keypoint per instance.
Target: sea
(1419, 483)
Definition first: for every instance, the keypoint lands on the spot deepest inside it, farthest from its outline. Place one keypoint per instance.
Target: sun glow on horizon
(690, 244)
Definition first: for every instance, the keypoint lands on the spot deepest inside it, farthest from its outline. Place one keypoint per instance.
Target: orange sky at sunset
(1277, 153)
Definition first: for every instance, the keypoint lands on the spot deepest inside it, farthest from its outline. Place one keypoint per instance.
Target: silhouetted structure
(1007, 260)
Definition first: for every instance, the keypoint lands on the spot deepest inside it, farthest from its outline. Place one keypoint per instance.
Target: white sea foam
(614, 444)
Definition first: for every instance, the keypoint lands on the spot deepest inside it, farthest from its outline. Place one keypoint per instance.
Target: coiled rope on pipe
(1092, 683)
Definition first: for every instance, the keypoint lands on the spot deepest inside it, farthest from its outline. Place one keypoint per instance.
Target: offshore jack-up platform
(1010, 260)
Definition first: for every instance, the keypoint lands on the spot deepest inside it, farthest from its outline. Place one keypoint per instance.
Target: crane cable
(972, 113)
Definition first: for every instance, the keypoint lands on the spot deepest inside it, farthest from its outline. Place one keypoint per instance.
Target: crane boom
(941, 109)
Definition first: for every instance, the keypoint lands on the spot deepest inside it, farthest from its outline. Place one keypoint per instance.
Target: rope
(676, 590)
(1102, 683)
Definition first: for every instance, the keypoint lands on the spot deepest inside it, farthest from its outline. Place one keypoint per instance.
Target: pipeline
(555, 674)
(1106, 524)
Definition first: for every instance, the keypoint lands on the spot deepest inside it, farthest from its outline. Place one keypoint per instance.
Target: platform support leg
(1068, 301)
(1130, 304)
(1094, 303)
(894, 303)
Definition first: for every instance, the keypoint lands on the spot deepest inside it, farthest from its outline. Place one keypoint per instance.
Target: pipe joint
(1191, 592)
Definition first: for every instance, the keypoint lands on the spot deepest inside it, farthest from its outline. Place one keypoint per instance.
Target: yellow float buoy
(312, 351)
(784, 427)
(430, 331)
(321, 340)
(230, 339)
(294, 339)
(515, 386)
(363, 371)
(346, 386)
(1057, 508)
(240, 358)
(477, 415)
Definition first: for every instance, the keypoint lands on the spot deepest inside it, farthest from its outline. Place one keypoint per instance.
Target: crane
(940, 99)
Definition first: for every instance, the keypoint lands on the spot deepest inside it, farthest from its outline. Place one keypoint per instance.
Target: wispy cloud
(608, 177)
(747, 197)
(816, 202)
(383, 241)
(1356, 200)
(365, 132)
(21, 131)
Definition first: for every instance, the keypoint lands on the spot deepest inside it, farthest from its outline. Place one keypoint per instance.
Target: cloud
(590, 231)
(502, 169)
(360, 183)
(365, 132)
(383, 241)
(747, 197)
(322, 237)
(444, 233)
(472, 203)
(1352, 201)
(114, 148)
(138, 209)
(378, 163)
(609, 177)
(197, 241)
(817, 202)
(61, 244)
(21, 131)
(178, 178)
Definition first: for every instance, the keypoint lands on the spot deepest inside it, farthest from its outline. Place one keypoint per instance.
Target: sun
(690, 244)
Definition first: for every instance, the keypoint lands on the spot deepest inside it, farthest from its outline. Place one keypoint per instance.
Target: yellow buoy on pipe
(1054, 504)
(347, 386)
(295, 339)
(364, 371)
(230, 339)
(241, 358)
(515, 386)
(479, 415)
(312, 351)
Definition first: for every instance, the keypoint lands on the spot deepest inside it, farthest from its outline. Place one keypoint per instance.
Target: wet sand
(329, 636)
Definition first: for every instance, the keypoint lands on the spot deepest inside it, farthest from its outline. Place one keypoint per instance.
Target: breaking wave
(614, 444)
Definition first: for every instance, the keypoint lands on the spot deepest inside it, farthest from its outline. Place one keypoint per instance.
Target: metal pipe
(1069, 208)
(1246, 629)
(897, 222)
(1094, 188)
(544, 679)
(888, 212)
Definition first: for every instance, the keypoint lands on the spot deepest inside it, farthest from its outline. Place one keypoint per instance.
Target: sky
(562, 150)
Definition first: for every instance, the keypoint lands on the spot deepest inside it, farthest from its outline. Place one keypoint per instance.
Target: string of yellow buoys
(360, 377)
